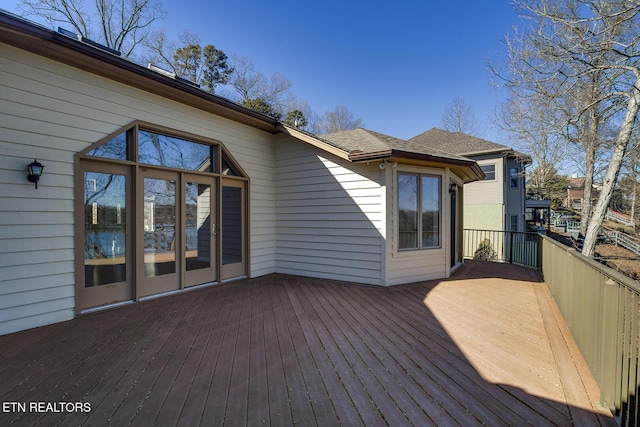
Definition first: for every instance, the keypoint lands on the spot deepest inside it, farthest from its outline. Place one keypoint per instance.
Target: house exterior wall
(330, 215)
(514, 196)
(484, 200)
(407, 266)
(483, 217)
(51, 111)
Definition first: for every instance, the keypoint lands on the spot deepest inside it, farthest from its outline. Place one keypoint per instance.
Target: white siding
(50, 111)
(330, 215)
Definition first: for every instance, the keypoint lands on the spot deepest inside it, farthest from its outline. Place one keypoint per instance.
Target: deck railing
(602, 309)
(503, 246)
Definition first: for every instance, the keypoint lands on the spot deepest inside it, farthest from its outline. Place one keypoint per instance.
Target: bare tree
(118, 24)
(295, 107)
(250, 84)
(568, 45)
(534, 129)
(460, 117)
(337, 120)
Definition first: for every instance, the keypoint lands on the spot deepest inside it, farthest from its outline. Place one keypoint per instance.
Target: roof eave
(313, 140)
(468, 170)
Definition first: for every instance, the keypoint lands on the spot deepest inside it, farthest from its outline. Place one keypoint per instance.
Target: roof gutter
(357, 156)
(313, 140)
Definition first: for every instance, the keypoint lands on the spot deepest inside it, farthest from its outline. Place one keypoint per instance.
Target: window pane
(116, 148)
(407, 211)
(198, 225)
(514, 177)
(159, 227)
(489, 171)
(514, 222)
(165, 150)
(104, 228)
(430, 198)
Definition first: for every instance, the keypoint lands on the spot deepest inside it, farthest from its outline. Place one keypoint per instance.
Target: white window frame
(495, 172)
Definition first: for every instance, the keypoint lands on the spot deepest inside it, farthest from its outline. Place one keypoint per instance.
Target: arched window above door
(150, 145)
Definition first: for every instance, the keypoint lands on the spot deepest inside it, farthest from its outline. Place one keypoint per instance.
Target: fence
(620, 217)
(602, 309)
(622, 239)
(503, 246)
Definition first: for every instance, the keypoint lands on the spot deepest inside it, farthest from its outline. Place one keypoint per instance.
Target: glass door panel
(160, 233)
(105, 242)
(159, 227)
(105, 226)
(199, 231)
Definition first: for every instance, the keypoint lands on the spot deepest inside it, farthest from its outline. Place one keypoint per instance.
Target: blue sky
(395, 64)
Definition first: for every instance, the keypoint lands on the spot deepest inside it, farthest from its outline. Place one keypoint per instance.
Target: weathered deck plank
(485, 347)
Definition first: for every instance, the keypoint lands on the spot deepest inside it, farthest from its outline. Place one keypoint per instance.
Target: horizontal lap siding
(416, 266)
(330, 216)
(50, 111)
(486, 192)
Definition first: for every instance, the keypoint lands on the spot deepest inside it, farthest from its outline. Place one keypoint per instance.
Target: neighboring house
(498, 201)
(152, 186)
(575, 193)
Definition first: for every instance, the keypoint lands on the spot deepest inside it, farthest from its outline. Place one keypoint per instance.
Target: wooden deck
(485, 347)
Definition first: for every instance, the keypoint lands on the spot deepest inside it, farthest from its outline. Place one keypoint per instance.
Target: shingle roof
(363, 142)
(461, 143)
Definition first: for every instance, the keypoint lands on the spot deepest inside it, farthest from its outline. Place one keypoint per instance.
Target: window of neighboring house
(419, 207)
(513, 173)
(514, 223)
(489, 172)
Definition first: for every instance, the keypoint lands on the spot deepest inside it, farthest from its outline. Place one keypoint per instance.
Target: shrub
(485, 251)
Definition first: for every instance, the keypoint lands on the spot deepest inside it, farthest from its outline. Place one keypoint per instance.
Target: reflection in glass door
(160, 236)
(107, 272)
(199, 230)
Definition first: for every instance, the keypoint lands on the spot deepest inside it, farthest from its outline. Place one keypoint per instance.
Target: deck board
(484, 347)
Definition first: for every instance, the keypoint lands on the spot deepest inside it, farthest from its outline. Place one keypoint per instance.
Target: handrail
(602, 308)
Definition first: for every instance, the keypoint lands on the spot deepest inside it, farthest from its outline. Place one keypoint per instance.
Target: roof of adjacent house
(577, 183)
(464, 145)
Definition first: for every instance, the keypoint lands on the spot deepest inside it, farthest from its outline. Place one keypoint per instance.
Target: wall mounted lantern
(35, 171)
(453, 187)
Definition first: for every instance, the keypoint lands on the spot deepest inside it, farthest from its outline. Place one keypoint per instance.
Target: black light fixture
(453, 187)
(35, 171)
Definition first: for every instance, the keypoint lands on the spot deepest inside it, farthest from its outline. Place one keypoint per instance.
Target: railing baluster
(515, 247)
